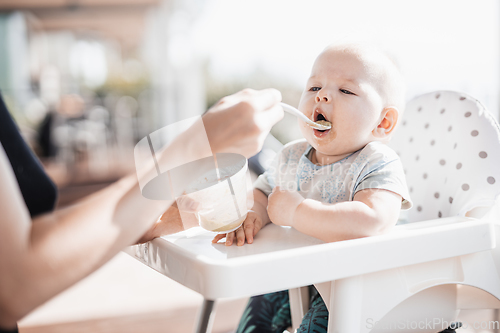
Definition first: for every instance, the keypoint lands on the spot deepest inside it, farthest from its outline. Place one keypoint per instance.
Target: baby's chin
(320, 139)
(326, 134)
(325, 151)
(330, 155)
(331, 150)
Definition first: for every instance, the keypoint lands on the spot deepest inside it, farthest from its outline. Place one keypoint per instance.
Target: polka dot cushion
(450, 148)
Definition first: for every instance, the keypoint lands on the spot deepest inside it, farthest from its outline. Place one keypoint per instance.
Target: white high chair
(450, 147)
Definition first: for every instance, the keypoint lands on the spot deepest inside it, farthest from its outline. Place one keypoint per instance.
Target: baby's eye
(314, 89)
(347, 92)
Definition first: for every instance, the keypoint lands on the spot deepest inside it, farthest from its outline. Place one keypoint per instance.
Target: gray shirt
(376, 166)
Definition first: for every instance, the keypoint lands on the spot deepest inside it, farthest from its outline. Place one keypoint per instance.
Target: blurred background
(86, 79)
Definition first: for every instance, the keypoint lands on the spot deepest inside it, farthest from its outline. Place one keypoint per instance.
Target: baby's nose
(322, 97)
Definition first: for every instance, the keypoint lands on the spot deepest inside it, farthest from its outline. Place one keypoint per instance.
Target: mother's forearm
(43, 257)
(336, 222)
(71, 243)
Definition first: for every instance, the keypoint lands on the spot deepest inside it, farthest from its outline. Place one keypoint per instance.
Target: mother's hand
(239, 123)
(178, 217)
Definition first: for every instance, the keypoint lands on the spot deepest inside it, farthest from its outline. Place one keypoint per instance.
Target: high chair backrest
(450, 148)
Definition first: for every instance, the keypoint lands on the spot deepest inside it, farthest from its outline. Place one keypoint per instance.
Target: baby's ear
(388, 121)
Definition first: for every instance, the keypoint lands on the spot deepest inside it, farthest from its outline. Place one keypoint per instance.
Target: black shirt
(38, 190)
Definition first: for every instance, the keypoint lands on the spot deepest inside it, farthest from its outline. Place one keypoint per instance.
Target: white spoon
(290, 109)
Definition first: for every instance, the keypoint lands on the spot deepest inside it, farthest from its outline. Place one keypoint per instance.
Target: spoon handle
(290, 109)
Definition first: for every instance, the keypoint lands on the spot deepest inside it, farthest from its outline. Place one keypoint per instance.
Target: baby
(337, 184)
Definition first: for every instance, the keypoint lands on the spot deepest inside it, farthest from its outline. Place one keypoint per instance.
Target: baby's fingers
(218, 238)
(240, 236)
(229, 238)
(248, 229)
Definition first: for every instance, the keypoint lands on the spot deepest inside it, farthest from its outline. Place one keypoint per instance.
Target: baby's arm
(372, 212)
(256, 218)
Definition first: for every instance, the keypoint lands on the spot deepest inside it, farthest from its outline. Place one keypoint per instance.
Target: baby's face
(340, 90)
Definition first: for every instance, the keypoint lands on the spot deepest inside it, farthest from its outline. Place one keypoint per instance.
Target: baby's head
(360, 91)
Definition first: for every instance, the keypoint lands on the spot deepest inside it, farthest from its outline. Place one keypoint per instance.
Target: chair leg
(345, 305)
(205, 317)
(299, 304)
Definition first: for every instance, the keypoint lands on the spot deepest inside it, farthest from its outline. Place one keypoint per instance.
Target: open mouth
(320, 118)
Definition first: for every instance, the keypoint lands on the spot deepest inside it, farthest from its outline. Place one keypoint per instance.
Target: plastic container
(221, 191)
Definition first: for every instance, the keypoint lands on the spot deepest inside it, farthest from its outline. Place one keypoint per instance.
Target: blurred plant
(121, 85)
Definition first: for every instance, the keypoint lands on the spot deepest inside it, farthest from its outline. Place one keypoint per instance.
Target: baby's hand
(282, 205)
(251, 225)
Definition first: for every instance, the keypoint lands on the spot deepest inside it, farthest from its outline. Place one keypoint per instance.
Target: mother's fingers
(274, 114)
(187, 204)
(267, 119)
(259, 99)
(265, 99)
(262, 105)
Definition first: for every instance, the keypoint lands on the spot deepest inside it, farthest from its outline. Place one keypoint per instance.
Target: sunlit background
(86, 79)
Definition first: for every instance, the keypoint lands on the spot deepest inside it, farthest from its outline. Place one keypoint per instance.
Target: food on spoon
(324, 123)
